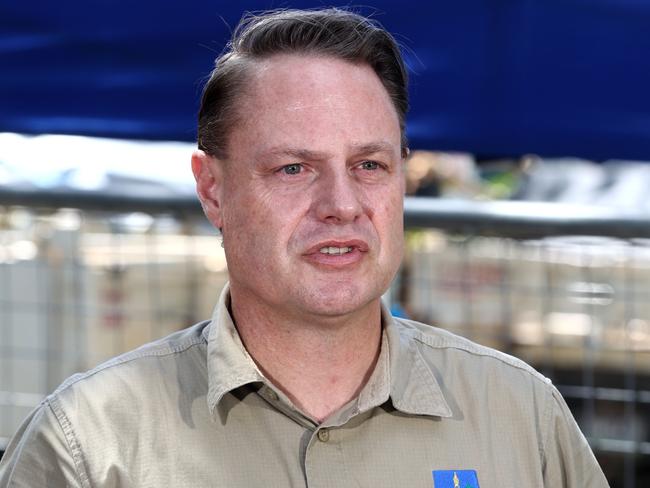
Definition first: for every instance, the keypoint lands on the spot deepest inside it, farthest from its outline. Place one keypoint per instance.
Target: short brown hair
(330, 32)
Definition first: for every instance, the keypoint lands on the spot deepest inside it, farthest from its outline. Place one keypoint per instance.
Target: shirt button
(273, 396)
(323, 435)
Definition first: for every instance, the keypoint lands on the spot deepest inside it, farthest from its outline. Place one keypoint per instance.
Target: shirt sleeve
(39, 454)
(568, 459)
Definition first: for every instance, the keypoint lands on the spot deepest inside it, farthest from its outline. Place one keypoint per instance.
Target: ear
(209, 178)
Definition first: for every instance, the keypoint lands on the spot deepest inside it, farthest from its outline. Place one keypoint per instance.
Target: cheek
(391, 204)
(262, 219)
(245, 206)
(389, 216)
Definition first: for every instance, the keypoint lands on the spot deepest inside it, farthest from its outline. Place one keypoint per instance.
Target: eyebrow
(298, 153)
(372, 147)
(307, 154)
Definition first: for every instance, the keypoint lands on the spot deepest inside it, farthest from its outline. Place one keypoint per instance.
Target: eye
(369, 165)
(292, 169)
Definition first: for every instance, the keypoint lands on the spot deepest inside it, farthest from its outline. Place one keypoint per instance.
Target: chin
(337, 302)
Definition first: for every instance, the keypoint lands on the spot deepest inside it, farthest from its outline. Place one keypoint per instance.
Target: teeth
(335, 250)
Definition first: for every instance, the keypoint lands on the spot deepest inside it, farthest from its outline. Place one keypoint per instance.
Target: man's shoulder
(140, 369)
(459, 353)
(93, 422)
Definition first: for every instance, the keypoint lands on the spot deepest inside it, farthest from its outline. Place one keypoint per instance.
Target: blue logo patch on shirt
(455, 478)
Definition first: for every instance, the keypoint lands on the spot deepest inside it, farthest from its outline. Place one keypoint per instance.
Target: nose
(338, 199)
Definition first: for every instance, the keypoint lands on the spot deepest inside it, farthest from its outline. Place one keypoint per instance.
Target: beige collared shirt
(193, 410)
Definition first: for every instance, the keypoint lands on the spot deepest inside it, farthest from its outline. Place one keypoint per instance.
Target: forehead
(310, 100)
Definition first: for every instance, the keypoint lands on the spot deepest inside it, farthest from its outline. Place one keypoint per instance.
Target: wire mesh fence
(564, 288)
(83, 279)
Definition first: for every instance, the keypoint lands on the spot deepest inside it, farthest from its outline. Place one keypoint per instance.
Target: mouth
(335, 250)
(337, 254)
(338, 247)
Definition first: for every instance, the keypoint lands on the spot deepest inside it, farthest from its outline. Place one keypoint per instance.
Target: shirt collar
(401, 373)
(229, 364)
(414, 388)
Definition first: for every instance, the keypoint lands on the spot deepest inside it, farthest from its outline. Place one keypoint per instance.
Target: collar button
(323, 435)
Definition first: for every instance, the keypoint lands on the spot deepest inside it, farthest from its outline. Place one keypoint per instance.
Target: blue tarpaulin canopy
(502, 77)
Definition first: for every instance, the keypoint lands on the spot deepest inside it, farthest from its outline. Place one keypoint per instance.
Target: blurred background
(527, 218)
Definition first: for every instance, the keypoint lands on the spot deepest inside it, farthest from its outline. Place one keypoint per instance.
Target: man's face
(311, 195)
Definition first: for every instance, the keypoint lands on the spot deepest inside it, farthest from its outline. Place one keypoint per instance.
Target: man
(302, 378)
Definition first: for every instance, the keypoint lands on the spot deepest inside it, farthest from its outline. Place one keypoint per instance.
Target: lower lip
(336, 260)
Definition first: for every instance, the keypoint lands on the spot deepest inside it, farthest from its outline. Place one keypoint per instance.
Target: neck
(320, 363)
